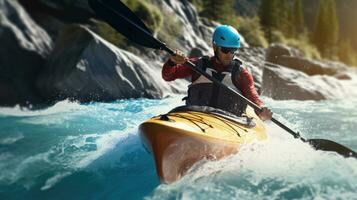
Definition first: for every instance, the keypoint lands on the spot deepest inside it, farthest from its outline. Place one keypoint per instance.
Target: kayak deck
(179, 139)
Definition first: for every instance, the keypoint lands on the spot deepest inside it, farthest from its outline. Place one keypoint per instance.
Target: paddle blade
(122, 19)
(328, 145)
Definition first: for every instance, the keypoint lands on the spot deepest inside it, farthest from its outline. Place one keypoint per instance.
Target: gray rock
(194, 33)
(85, 67)
(24, 48)
(52, 15)
(63, 4)
(292, 58)
(343, 75)
(275, 51)
(308, 66)
(281, 83)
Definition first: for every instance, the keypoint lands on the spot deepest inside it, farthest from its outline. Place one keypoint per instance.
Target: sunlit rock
(85, 67)
(282, 83)
(275, 51)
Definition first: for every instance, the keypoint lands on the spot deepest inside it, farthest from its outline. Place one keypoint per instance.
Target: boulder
(24, 49)
(275, 51)
(292, 58)
(309, 66)
(281, 83)
(85, 67)
(53, 15)
(70, 11)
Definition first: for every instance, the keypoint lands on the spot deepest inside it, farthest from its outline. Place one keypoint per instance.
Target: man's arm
(246, 85)
(172, 71)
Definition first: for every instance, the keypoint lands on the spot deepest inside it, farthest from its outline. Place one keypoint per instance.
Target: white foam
(54, 180)
(105, 143)
(60, 107)
(24, 169)
(12, 139)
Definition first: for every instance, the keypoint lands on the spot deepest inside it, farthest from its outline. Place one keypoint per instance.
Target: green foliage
(220, 11)
(269, 17)
(290, 24)
(283, 16)
(251, 30)
(150, 14)
(282, 20)
(278, 37)
(171, 30)
(325, 35)
(346, 53)
(303, 44)
(298, 19)
(111, 35)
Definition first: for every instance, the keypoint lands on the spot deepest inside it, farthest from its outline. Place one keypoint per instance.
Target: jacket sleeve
(172, 71)
(246, 85)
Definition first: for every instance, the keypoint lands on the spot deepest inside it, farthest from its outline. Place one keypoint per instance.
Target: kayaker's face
(225, 55)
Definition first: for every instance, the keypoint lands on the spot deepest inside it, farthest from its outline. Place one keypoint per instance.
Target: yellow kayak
(186, 135)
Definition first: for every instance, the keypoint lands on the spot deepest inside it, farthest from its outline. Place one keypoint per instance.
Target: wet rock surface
(24, 49)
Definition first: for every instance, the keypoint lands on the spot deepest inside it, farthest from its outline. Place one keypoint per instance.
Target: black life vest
(202, 91)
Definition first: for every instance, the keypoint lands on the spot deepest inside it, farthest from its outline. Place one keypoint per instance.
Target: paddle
(121, 18)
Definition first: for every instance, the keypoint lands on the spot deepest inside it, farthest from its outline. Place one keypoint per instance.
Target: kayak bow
(185, 136)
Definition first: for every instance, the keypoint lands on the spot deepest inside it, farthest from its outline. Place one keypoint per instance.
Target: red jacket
(172, 71)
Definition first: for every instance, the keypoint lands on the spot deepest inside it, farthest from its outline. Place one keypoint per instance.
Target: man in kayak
(223, 66)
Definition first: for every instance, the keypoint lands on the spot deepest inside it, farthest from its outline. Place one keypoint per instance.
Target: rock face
(24, 48)
(194, 33)
(53, 15)
(87, 68)
(281, 83)
(308, 66)
(292, 58)
(287, 75)
(276, 51)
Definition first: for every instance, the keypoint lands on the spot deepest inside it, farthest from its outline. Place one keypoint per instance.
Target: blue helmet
(226, 36)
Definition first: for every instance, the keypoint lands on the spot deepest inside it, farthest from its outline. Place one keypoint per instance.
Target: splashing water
(92, 151)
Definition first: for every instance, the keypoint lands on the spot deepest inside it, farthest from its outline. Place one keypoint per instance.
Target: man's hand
(178, 57)
(265, 114)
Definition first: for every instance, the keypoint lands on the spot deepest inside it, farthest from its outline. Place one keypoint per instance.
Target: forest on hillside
(320, 29)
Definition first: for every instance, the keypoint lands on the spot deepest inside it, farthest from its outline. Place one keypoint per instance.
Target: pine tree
(346, 53)
(298, 19)
(290, 23)
(325, 35)
(269, 17)
(220, 11)
(334, 29)
(282, 20)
